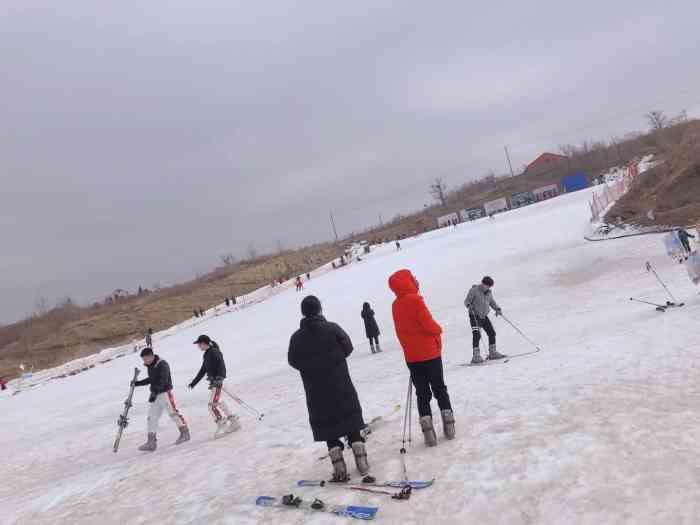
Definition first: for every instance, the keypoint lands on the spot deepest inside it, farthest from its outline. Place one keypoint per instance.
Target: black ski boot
(476, 357)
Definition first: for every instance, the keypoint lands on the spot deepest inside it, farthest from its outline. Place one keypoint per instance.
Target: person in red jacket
(421, 339)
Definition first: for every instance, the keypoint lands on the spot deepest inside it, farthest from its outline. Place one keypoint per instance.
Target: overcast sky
(141, 140)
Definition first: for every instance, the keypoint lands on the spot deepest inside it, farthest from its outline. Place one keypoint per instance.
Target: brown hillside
(671, 189)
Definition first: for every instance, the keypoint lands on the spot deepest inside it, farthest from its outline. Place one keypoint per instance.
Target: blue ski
(291, 502)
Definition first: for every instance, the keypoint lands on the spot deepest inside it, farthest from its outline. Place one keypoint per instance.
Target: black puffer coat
(318, 350)
(158, 378)
(371, 327)
(212, 365)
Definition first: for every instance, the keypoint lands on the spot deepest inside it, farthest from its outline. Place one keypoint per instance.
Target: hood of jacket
(403, 283)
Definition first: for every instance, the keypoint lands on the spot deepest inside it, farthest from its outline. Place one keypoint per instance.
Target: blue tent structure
(575, 182)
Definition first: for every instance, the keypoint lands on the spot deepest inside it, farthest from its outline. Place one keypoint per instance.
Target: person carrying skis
(161, 399)
(683, 236)
(319, 350)
(421, 339)
(479, 302)
(214, 367)
(371, 327)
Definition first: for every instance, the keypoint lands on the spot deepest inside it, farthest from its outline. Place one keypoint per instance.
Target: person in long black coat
(319, 350)
(371, 327)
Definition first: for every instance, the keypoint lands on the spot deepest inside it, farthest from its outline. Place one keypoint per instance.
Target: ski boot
(184, 435)
(379, 349)
(358, 449)
(233, 424)
(151, 444)
(426, 425)
(371, 346)
(494, 354)
(221, 427)
(476, 357)
(340, 471)
(448, 424)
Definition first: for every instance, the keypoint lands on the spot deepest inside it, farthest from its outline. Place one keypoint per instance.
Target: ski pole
(245, 405)
(406, 424)
(659, 307)
(650, 268)
(521, 333)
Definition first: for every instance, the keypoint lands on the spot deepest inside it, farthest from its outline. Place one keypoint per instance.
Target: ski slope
(602, 426)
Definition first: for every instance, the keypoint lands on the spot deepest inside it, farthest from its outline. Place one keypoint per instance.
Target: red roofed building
(544, 164)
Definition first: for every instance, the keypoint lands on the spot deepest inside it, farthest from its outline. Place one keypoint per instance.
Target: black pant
(427, 376)
(374, 340)
(353, 437)
(477, 325)
(686, 244)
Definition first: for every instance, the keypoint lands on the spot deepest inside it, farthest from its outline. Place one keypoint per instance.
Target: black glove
(152, 397)
(132, 383)
(190, 386)
(499, 312)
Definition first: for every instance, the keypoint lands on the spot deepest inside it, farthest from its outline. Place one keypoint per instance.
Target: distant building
(520, 199)
(471, 214)
(546, 192)
(544, 164)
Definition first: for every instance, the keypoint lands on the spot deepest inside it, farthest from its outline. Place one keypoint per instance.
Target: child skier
(318, 350)
(214, 368)
(161, 399)
(479, 302)
(371, 327)
(420, 338)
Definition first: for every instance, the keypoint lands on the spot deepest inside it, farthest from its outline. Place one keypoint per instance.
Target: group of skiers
(319, 350)
(162, 399)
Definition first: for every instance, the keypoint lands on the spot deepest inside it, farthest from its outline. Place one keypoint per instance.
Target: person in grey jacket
(479, 303)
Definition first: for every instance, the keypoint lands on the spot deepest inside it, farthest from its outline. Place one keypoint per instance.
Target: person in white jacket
(479, 302)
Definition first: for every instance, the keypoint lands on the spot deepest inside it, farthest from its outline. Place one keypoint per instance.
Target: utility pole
(509, 164)
(335, 232)
(381, 222)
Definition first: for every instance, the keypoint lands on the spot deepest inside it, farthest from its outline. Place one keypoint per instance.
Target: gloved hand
(152, 397)
(499, 312)
(190, 386)
(132, 383)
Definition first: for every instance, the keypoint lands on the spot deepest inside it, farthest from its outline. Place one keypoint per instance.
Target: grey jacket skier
(479, 303)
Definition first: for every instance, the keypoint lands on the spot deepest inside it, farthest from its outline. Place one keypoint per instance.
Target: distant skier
(201, 312)
(161, 399)
(318, 350)
(684, 237)
(420, 338)
(3, 384)
(371, 327)
(149, 338)
(398, 245)
(308, 276)
(479, 302)
(196, 314)
(299, 283)
(214, 367)
(227, 302)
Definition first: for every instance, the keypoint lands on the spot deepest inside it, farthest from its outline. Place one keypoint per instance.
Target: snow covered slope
(601, 427)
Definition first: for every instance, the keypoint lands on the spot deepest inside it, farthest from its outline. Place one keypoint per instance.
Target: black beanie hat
(310, 306)
(487, 281)
(146, 351)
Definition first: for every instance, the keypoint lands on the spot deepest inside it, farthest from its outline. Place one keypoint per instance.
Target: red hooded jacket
(419, 334)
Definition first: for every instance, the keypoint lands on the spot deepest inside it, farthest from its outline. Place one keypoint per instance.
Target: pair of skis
(123, 420)
(506, 359)
(348, 511)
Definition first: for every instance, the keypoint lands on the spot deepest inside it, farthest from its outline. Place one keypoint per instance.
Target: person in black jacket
(318, 350)
(371, 327)
(214, 368)
(161, 399)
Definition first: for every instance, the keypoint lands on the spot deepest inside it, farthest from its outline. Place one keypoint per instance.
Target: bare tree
(41, 305)
(438, 189)
(228, 259)
(657, 120)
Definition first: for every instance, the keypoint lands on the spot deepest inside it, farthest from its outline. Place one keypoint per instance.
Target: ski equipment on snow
(659, 307)
(293, 502)
(259, 415)
(123, 420)
(673, 301)
(414, 484)
(406, 424)
(487, 362)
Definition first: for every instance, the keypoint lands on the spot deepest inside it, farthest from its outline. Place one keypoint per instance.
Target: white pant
(217, 406)
(164, 402)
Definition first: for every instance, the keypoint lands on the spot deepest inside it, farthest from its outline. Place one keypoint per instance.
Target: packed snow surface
(602, 426)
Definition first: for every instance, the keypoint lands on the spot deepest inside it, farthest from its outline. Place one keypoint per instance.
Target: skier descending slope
(421, 339)
(215, 369)
(161, 399)
(479, 302)
(318, 350)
